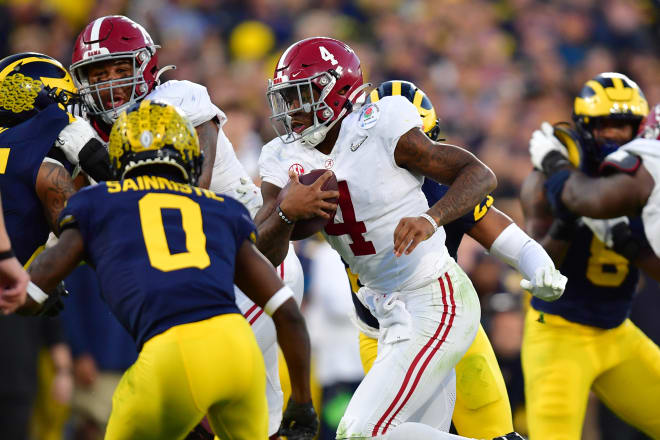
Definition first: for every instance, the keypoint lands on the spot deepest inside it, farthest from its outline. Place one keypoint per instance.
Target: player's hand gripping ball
(304, 210)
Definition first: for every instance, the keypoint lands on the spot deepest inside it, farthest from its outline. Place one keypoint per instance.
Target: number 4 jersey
(164, 251)
(375, 194)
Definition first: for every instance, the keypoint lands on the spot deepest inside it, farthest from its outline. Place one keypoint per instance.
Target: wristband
(9, 253)
(38, 295)
(430, 220)
(284, 218)
(277, 300)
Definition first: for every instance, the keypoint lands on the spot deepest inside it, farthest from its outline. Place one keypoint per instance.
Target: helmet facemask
(91, 93)
(283, 98)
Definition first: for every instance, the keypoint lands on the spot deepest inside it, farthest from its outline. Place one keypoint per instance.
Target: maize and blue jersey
(601, 283)
(164, 251)
(22, 151)
(433, 191)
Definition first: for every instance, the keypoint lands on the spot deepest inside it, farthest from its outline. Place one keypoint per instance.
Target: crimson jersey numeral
(351, 227)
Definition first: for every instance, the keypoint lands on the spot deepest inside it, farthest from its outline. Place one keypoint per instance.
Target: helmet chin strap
(317, 135)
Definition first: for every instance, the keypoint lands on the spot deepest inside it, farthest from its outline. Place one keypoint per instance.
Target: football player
(584, 341)
(426, 307)
(166, 253)
(40, 144)
(482, 408)
(628, 184)
(115, 64)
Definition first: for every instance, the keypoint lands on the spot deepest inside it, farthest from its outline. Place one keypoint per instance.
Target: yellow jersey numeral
(4, 157)
(153, 230)
(605, 267)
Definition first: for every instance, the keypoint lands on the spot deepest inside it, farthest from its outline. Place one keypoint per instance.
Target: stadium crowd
(494, 71)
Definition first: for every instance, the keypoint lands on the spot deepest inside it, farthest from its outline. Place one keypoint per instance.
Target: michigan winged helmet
(154, 133)
(30, 82)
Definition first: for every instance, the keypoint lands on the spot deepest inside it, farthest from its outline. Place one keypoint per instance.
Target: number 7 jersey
(164, 251)
(374, 194)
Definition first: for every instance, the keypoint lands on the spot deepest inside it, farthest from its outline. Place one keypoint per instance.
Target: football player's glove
(546, 151)
(249, 195)
(616, 234)
(547, 284)
(299, 421)
(54, 305)
(602, 228)
(80, 145)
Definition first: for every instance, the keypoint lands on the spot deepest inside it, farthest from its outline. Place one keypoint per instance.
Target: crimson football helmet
(109, 38)
(649, 128)
(319, 75)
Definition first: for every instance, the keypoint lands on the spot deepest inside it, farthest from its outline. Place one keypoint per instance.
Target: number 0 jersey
(375, 194)
(164, 251)
(22, 151)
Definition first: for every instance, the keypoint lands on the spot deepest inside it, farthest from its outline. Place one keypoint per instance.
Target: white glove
(249, 195)
(543, 142)
(74, 137)
(548, 284)
(602, 228)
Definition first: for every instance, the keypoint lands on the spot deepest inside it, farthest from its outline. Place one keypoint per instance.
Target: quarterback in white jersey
(630, 186)
(115, 65)
(427, 309)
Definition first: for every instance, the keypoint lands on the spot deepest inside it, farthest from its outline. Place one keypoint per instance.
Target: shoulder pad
(620, 162)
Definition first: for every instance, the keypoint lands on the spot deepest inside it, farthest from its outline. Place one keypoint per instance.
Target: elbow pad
(94, 160)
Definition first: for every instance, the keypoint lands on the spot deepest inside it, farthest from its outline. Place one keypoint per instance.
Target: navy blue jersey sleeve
(434, 191)
(76, 212)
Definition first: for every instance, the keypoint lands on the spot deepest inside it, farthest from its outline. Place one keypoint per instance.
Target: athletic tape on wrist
(277, 300)
(36, 293)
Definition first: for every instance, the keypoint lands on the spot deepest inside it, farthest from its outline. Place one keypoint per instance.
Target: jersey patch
(368, 116)
(620, 161)
(297, 168)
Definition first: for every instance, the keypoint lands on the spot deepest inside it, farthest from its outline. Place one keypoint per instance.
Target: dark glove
(54, 305)
(299, 421)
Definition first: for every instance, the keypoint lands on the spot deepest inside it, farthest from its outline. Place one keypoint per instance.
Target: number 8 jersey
(164, 251)
(374, 194)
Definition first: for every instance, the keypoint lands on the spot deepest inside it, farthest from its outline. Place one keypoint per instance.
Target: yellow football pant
(482, 404)
(212, 366)
(563, 360)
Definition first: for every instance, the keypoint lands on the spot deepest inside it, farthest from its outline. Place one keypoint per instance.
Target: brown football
(306, 228)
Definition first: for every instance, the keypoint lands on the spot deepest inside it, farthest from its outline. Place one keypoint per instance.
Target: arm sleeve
(520, 251)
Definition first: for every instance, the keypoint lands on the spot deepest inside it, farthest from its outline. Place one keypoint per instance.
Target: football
(306, 228)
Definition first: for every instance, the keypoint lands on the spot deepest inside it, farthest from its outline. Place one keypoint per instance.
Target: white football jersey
(196, 103)
(375, 194)
(649, 151)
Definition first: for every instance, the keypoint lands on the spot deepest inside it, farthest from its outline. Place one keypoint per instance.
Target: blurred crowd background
(494, 70)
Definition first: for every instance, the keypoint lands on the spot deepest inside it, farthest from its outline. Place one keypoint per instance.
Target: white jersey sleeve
(271, 160)
(389, 119)
(649, 151)
(192, 98)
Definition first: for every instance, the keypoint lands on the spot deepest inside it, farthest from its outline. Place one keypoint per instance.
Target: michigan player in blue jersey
(482, 407)
(167, 254)
(39, 145)
(585, 341)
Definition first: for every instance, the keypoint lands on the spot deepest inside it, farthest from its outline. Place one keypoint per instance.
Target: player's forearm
(647, 261)
(471, 185)
(273, 238)
(293, 339)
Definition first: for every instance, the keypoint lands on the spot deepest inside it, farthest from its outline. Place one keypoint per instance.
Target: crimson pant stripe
(250, 310)
(413, 365)
(435, 349)
(256, 316)
(282, 270)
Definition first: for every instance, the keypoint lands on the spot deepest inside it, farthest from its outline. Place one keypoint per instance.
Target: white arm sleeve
(517, 249)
